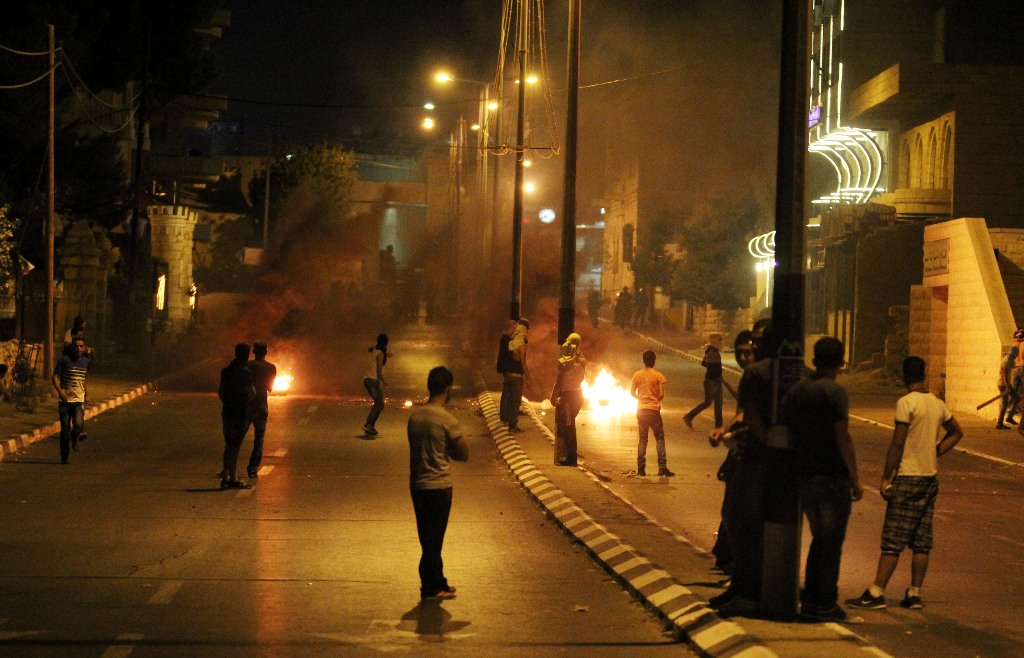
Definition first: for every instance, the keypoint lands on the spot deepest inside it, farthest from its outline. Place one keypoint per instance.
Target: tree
(716, 266)
(325, 172)
(651, 265)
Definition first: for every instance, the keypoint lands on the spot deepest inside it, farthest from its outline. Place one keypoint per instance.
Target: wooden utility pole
(50, 219)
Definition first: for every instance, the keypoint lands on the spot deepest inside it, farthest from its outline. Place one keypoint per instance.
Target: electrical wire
(15, 51)
(92, 119)
(65, 59)
(29, 84)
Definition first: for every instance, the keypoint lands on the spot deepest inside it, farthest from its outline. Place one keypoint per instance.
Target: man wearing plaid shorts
(910, 485)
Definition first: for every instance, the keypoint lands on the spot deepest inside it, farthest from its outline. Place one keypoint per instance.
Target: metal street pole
(781, 582)
(515, 306)
(266, 197)
(50, 219)
(567, 300)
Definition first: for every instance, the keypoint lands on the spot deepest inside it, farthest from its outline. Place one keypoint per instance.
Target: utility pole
(515, 306)
(266, 198)
(782, 507)
(50, 219)
(567, 299)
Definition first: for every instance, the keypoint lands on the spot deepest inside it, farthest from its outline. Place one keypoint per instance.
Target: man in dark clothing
(236, 391)
(712, 361)
(69, 382)
(816, 410)
(435, 439)
(263, 375)
(504, 405)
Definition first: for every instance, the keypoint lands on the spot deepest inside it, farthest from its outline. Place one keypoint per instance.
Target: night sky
(693, 83)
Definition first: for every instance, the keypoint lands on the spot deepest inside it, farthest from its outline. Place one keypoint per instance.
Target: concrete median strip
(15, 443)
(687, 614)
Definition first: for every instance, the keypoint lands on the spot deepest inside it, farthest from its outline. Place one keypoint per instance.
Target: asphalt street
(132, 549)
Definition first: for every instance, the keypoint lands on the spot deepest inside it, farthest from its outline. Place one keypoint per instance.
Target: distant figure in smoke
(641, 305)
(624, 308)
(263, 375)
(594, 307)
(567, 396)
(236, 392)
(374, 382)
(517, 374)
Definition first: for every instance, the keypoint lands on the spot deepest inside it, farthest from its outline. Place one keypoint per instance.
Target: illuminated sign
(814, 116)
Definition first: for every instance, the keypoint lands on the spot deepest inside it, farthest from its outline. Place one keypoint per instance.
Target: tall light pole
(515, 304)
(50, 219)
(567, 298)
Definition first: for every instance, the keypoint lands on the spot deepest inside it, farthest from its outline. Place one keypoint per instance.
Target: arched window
(931, 175)
(916, 162)
(903, 179)
(947, 158)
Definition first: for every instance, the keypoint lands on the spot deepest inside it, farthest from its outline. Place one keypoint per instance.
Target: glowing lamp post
(762, 248)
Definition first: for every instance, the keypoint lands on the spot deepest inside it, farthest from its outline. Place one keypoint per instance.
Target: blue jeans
(373, 389)
(826, 501)
(650, 419)
(72, 424)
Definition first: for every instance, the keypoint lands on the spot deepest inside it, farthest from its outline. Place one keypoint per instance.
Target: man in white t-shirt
(910, 485)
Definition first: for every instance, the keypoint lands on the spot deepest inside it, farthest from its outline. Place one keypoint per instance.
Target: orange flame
(282, 383)
(605, 397)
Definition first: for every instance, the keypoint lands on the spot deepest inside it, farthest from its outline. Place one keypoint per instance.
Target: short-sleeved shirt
(263, 375)
(811, 409)
(647, 384)
(924, 414)
(713, 362)
(72, 376)
(430, 430)
(235, 387)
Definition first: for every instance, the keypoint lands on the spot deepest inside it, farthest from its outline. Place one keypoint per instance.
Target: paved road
(974, 593)
(133, 550)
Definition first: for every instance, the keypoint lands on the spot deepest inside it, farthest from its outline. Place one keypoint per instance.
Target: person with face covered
(567, 397)
(374, 383)
(435, 439)
(516, 374)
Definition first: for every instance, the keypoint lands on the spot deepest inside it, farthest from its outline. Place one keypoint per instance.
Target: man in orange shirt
(648, 387)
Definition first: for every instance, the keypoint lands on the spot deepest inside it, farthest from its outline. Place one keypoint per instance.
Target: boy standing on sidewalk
(648, 387)
(910, 485)
(712, 361)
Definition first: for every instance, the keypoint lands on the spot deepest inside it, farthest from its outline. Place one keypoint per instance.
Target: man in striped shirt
(69, 381)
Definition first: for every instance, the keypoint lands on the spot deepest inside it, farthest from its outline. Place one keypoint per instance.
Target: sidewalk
(19, 428)
(672, 577)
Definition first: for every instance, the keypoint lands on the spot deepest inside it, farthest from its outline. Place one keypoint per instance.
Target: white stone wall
(960, 320)
(173, 229)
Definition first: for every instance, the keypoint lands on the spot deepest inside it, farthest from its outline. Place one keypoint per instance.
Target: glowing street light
(428, 106)
(428, 123)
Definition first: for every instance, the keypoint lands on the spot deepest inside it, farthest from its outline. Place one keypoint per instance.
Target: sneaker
(911, 602)
(443, 595)
(641, 472)
(814, 613)
(688, 422)
(370, 430)
(664, 472)
(234, 484)
(867, 602)
(739, 606)
(253, 472)
(83, 436)
(1011, 421)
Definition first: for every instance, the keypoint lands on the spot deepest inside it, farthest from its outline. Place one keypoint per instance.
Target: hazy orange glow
(606, 397)
(282, 383)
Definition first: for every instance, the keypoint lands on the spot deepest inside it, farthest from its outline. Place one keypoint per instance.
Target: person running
(435, 439)
(712, 362)
(910, 485)
(236, 392)
(263, 375)
(374, 382)
(69, 382)
(648, 387)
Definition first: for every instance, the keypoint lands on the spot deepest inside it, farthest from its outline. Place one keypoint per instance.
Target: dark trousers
(432, 508)
(72, 423)
(234, 428)
(511, 399)
(373, 389)
(259, 430)
(712, 395)
(650, 419)
(745, 526)
(826, 502)
(565, 427)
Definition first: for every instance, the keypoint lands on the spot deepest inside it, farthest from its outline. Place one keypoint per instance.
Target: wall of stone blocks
(978, 323)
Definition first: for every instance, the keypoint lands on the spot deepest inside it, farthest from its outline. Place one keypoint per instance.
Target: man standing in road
(817, 412)
(69, 382)
(712, 361)
(236, 392)
(505, 403)
(648, 387)
(910, 485)
(263, 375)
(434, 439)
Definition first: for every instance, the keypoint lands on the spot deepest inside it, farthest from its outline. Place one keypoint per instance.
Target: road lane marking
(123, 648)
(264, 470)
(165, 593)
(280, 452)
